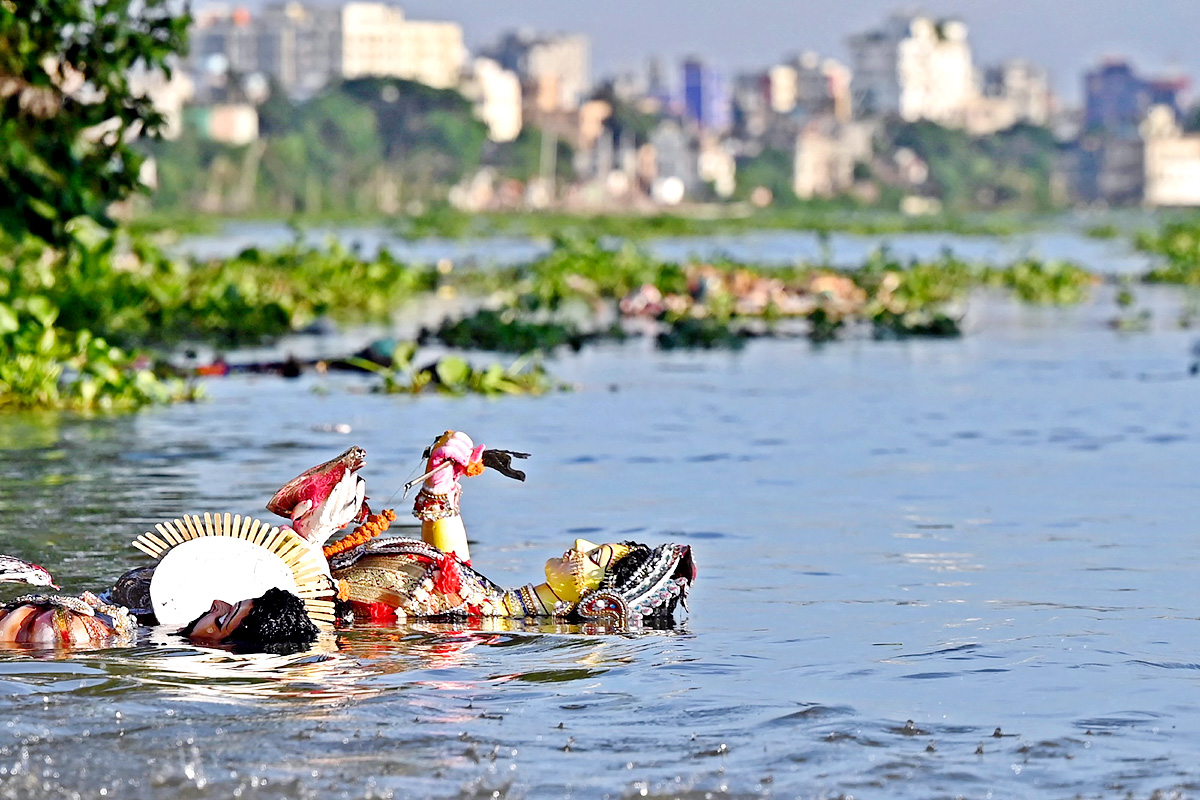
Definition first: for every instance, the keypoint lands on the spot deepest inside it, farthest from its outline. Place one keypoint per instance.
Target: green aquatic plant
(917, 299)
(1178, 243)
(1043, 282)
(455, 376)
(137, 295)
(705, 333)
(824, 325)
(584, 269)
(504, 331)
(1129, 319)
(44, 366)
(1104, 230)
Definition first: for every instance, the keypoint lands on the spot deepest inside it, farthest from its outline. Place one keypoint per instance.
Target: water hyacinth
(1178, 243)
(455, 376)
(1043, 282)
(71, 320)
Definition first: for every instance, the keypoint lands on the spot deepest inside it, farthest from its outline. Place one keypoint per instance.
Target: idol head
(276, 622)
(582, 568)
(623, 583)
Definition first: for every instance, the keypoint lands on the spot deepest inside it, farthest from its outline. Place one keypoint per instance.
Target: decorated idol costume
(214, 559)
(623, 585)
(232, 581)
(389, 579)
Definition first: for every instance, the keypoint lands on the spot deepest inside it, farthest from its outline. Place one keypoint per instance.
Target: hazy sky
(1067, 36)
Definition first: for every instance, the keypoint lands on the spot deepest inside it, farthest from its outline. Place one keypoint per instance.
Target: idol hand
(456, 450)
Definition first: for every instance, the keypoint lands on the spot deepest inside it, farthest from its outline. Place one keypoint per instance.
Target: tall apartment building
(377, 41)
(1025, 86)
(1116, 99)
(305, 46)
(299, 46)
(706, 99)
(811, 85)
(913, 67)
(554, 69)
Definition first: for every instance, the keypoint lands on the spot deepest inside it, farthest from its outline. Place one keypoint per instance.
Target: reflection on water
(927, 569)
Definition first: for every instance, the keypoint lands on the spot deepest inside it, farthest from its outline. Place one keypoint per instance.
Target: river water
(926, 569)
(768, 248)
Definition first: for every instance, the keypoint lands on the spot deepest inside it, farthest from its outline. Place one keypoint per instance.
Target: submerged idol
(618, 584)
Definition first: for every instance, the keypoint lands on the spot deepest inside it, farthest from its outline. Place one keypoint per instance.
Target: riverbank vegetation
(721, 304)
(409, 157)
(1177, 243)
(368, 147)
(73, 321)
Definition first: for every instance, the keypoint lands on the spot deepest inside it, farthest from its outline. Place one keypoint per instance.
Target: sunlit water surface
(927, 569)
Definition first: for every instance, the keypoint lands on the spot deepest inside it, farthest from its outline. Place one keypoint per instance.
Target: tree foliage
(69, 113)
(1010, 168)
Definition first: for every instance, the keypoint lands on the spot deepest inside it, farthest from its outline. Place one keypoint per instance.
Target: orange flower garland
(375, 525)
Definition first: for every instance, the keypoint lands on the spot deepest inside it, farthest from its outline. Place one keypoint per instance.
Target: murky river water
(927, 569)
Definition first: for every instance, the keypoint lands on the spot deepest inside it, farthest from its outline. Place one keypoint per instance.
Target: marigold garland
(474, 468)
(374, 525)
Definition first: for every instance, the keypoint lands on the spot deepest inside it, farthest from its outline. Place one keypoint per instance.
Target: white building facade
(496, 93)
(1171, 161)
(303, 47)
(378, 42)
(554, 69)
(915, 68)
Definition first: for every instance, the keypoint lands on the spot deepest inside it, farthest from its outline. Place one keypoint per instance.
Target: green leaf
(453, 371)
(8, 319)
(402, 356)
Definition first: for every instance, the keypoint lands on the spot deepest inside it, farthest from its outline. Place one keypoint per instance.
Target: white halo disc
(193, 574)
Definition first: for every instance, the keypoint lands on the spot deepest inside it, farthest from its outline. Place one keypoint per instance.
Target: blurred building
(706, 99)
(229, 123)
(554, 69)
(224, 41)
(1171, 160)
(913, 67)
(378, 41)
(167, 94)
(1025, 86)
(752, 112)
(673, 175)
(496, 94)
(716, 165)
(1014, 92)
(299, 46)
(1116, 100)
(304, 46)
(810, 86)
(825, 156)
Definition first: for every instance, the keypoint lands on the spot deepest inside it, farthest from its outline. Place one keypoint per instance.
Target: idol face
(221, 620)
(581, 568)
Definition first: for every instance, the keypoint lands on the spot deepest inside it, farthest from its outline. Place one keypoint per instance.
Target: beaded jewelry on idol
(429, 506)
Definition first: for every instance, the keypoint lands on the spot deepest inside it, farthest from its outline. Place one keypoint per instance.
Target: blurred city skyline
(1068, 37)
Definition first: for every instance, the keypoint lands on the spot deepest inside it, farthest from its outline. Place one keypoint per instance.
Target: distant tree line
(1012, 168)
(362, 146)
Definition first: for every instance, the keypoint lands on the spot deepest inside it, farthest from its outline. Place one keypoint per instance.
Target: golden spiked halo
(270, 543)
